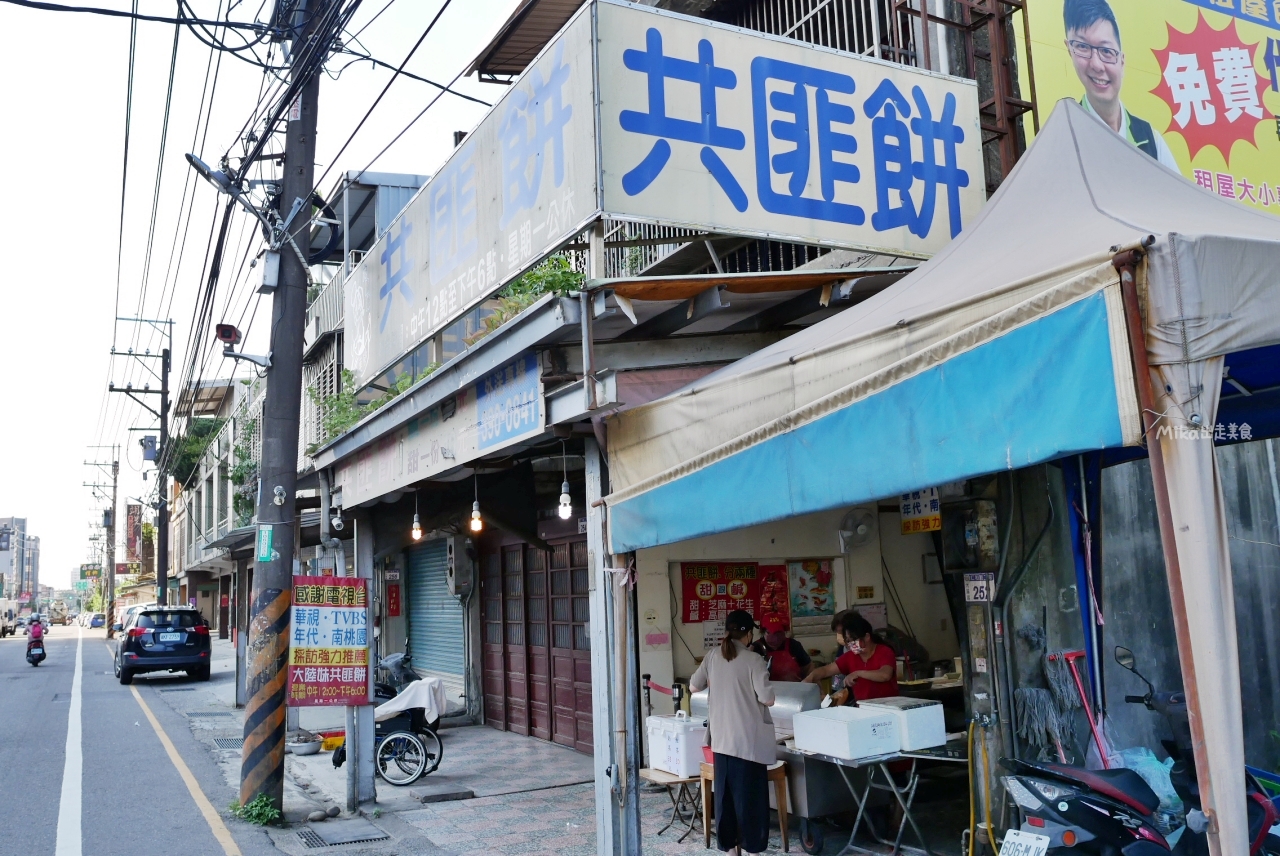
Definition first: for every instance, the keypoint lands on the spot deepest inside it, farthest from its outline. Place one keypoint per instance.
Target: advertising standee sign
(329, 642)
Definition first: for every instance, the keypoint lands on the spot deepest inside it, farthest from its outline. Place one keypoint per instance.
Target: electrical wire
(378, 100)
(135, 15)
(124, 170)
(415, 119)
(364, 57)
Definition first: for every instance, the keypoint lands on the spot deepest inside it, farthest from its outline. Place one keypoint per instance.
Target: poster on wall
(714, 589)
(811, 593)
(329, 642)
(921, 511)
(1195, 84)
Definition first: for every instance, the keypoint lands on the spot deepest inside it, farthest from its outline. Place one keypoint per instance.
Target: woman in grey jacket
(742, 735)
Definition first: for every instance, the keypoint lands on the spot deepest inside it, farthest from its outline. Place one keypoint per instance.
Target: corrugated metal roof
(524, 34)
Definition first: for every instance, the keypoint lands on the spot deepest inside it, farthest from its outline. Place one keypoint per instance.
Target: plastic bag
(1155, 773)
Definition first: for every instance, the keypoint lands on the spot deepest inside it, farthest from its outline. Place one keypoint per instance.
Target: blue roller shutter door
(436, 638)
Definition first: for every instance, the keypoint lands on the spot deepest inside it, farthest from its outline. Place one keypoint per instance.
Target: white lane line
(69, 836)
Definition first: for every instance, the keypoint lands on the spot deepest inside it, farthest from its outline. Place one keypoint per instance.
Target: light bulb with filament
(417, 524)
(476, 523)
(566, 504)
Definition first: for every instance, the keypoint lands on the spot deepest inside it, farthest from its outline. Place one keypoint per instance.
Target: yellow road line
(211, 816)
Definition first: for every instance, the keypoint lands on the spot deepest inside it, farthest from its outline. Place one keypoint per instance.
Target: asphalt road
(131, 797)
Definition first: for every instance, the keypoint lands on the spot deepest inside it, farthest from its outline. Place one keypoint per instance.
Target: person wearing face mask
(868, 666)
(787, 659)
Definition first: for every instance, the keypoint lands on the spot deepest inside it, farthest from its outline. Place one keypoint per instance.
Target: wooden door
(571, 645)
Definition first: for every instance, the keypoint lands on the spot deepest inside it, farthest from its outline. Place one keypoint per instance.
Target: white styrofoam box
(920, 721)
(675, 743)
(847, 732)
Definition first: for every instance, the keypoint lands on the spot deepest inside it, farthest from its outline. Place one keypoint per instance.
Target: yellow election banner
(1193, 83)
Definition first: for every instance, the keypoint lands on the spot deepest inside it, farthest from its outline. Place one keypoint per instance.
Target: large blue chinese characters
(523, 147)
(396, 249)
(795, 163)
(656, 123)
(897, 170)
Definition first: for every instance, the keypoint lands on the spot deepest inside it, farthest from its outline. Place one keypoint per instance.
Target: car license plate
(170, 637)
(1020, 843)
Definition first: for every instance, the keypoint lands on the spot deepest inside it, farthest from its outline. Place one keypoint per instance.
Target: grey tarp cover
(1045, 238)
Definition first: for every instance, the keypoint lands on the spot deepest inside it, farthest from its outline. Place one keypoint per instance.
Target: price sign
(978, 588)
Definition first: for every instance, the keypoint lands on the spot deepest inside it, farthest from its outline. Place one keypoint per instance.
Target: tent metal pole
(1126, 264)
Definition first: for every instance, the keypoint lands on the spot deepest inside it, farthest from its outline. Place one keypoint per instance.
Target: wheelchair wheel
(435, 751)
(401, 758)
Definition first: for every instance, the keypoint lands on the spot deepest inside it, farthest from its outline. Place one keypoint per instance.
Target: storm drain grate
(180, 690)
(229, 742)
(310, 839)
(202, 714)
(333, 833)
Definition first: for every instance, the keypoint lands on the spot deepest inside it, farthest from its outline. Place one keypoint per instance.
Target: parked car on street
(163, 639)
(8, 618)
(98, 620)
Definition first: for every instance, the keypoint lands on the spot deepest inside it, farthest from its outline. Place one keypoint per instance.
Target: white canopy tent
(1011, 347)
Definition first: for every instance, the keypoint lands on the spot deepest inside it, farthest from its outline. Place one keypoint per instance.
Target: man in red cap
(787, 659)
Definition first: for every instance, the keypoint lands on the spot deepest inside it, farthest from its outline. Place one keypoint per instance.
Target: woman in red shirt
(868, 665)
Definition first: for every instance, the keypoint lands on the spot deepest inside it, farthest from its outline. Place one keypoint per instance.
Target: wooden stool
(777, 775)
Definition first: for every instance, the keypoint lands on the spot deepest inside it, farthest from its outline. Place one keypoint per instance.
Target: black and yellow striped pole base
(262, 763)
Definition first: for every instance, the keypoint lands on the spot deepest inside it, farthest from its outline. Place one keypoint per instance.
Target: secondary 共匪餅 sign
(698, 125)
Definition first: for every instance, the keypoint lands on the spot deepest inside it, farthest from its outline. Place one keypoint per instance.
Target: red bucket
(708, 755)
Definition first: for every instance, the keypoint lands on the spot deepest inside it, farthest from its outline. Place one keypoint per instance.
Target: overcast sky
(65, 84)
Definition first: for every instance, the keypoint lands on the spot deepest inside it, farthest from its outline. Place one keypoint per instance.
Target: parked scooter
(1109, 811)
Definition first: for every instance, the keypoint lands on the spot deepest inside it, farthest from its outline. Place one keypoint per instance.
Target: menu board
(714, 589)
(811, 588)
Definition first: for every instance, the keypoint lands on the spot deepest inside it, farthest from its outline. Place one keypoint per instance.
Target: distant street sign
(82, 585)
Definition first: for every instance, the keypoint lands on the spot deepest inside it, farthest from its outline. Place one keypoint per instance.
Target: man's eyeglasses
(1084, 50)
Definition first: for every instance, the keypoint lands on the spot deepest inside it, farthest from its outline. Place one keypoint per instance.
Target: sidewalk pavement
(495, 792)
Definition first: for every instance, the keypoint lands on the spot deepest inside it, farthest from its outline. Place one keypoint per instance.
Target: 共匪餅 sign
(727, 130)
(698, 125)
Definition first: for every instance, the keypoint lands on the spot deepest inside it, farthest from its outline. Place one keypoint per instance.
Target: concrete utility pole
(110, 595)
(262, 764)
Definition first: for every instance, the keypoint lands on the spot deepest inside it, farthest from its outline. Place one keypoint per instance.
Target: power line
(378, 100)
(359, 57)
(116, 13)
(124, 171)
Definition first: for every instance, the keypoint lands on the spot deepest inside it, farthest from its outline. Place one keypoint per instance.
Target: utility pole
(162, 463)
(109, 525)
(262, 764)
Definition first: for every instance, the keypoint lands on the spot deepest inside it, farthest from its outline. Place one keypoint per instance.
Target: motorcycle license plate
(39, 652)
(170, 637)
(1020, 843)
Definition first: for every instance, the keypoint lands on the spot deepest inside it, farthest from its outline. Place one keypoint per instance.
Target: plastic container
(847, 732)
(920, 721)
(675, 744)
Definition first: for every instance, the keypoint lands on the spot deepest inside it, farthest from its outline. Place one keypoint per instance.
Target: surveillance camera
(278, 495)
(228, 334)
(336, 522)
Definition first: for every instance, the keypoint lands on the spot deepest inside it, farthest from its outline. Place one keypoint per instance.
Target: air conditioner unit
(460, 562)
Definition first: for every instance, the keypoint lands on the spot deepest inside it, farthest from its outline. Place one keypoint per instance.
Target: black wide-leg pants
(742, 804)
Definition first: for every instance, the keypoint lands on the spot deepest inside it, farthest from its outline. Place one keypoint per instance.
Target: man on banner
(1093, 38)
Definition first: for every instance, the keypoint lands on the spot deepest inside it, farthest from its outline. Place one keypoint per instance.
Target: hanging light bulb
(566, 504)
(417, 524)
(476, 522)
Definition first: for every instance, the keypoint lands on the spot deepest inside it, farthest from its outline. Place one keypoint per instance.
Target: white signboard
(978, 588)
(734, 131)
(505, 407)
(521, 184)
(697, 124)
